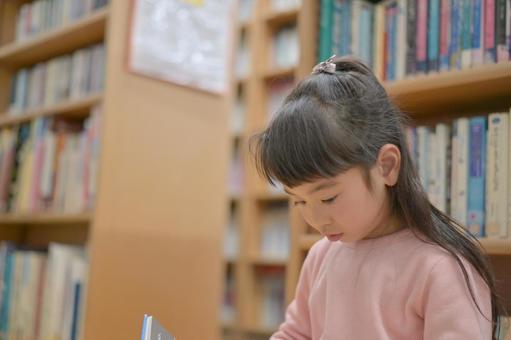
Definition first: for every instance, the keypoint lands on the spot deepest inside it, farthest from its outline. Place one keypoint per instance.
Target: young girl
(391, 265)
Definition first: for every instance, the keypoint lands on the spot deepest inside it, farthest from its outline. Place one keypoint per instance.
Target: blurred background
(126, 183)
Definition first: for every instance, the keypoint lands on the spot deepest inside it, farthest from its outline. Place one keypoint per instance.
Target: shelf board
(496, 246)
(491, 246)
(261, 261)
(271, 197)
(477, 88)
(81, 33)
(281, 18)
(72, 108)
(278, 73)
(45, 218)
(259, 330)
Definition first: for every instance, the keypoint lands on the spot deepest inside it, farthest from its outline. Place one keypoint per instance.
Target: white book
(433, 180)
(422, 150)
(75, 275)
(462, 165)
(442, 133)
(59, 260)
(401, 40)
(76, 70)
(48, 164)
(454, 170)
(355, 27)
(497, 163)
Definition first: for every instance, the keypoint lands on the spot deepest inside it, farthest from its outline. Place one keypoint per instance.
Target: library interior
(138, 230)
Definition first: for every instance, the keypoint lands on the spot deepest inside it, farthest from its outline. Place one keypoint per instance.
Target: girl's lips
(334, 237)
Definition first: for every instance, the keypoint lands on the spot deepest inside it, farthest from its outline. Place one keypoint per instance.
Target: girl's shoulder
(421, 254)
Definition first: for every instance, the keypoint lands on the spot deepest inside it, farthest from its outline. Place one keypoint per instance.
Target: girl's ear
(389, 163)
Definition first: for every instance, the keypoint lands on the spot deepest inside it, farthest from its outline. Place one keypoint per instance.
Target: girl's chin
(335, 237)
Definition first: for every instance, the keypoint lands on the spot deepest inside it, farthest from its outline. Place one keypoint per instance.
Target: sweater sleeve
(449, 310)
(297, 324)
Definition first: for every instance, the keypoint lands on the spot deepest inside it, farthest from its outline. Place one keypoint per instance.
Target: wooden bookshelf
(468, 90)
(257, 197)
(76, 108)
(86, 31)
(140, 234)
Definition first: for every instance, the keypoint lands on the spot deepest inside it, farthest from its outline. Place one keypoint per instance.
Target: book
(476, 177)
(153, 330)
(497, 175)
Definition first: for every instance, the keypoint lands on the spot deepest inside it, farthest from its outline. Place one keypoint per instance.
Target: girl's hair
(334, 121)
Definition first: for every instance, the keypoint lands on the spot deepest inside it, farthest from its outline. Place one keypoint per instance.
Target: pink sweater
(391, 288)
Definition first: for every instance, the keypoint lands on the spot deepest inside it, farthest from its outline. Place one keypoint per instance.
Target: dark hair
(334, 121)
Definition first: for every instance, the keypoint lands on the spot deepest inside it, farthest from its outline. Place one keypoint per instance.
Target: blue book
(346, 27)
(433, 35)
(76, 311)
(337, 28)
(477, 47)
(466, 33)
(393, 47)
(365, 39)
(476, 176)
(153, 330)
(6, 293)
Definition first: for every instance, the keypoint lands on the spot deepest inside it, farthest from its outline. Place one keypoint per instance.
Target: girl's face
(344, 207)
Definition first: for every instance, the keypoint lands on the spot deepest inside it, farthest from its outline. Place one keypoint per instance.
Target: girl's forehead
(323, 183)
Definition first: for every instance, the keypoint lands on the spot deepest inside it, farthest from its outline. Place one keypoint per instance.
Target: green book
(325, 29)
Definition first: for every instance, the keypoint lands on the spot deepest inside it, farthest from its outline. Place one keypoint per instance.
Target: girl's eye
(329, 200)
(295, 203)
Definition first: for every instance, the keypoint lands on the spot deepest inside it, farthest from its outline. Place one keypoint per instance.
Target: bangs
(304, 142)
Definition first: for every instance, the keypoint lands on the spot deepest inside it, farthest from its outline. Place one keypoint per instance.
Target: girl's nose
(317, 219)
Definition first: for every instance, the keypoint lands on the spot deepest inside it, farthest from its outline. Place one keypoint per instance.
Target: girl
(391, 265)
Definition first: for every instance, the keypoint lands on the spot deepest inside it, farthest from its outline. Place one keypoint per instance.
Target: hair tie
(327, 66)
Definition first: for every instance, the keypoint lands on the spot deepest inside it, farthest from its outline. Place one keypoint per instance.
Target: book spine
(346, 28)
(411, 27)
(476, 186)
(422, 38)
(379, 43)
(466, 33)
(478, 32)
(490, 50)
(325, 30)
(500, 30)
(445, 34)
(337, 28)
(433, 35)
(496, 179)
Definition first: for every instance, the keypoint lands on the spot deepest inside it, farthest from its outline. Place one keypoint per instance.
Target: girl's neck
(389, 226)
